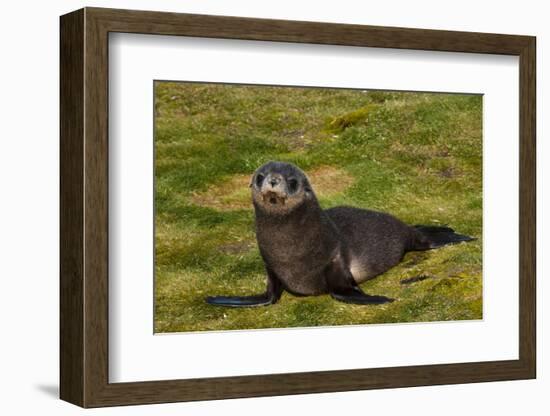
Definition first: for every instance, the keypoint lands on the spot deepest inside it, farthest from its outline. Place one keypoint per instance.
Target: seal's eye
(292, 185)
(259, 180)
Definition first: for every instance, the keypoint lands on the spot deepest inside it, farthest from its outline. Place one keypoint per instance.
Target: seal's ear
(308, 191)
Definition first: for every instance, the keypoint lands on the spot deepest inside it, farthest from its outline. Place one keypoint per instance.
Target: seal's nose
(274, 180)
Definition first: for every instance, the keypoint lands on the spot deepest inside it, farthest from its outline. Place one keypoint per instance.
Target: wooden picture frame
(84, 207)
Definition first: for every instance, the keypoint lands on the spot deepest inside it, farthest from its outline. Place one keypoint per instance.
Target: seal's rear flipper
(429, 237)
(241, 301)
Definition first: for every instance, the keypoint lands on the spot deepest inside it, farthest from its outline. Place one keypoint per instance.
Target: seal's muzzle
(274, 190)
(273, 198)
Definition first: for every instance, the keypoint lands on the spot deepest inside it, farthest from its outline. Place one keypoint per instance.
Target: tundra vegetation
(417, 156)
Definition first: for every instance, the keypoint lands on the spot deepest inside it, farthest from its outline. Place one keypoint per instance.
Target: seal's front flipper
(272, 294)
(343, 287)
(241, 301)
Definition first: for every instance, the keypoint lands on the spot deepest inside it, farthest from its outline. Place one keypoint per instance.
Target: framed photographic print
(255, 207)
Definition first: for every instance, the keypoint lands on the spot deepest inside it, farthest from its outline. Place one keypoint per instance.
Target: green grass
(415, 155)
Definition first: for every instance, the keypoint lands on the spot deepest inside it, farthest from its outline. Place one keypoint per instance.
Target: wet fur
(311, 251)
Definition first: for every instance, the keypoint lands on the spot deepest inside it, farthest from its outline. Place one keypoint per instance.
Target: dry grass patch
(328, 181)
(231, 194)
(234, 192)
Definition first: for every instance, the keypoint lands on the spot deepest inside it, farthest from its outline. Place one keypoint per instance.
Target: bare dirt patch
(234, 192)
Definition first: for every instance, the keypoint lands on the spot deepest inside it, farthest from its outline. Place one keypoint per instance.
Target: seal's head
(278, 188)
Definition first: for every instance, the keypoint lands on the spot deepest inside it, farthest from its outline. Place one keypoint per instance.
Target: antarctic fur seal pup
(310, 251)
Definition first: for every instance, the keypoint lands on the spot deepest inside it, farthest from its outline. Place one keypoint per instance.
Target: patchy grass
(415, 155)
(340, 123)
(234, 193)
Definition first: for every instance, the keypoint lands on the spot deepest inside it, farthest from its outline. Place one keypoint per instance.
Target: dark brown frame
(84, 208)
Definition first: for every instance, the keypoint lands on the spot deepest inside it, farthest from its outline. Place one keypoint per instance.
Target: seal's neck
(310, 210)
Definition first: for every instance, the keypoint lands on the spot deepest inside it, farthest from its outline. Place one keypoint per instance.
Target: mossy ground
(415, 155)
